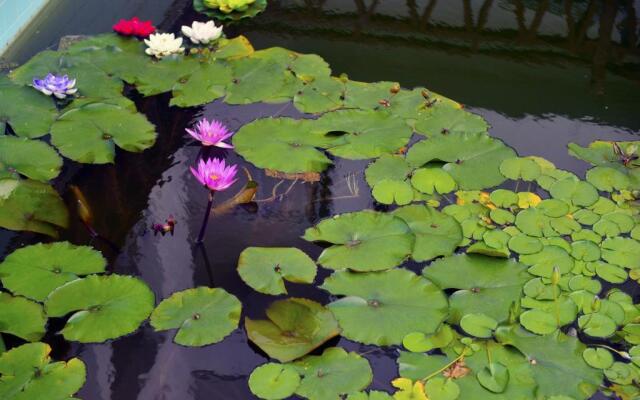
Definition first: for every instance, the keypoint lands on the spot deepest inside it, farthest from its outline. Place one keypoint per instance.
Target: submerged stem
(205, 221)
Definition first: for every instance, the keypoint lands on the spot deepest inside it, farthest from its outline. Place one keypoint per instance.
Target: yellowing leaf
(409, 390)
(528, 199)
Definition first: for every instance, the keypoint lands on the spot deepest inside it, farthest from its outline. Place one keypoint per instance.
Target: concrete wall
(14, 17)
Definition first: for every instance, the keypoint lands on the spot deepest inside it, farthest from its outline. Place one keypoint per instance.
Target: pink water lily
(211, 133)
(215, 174)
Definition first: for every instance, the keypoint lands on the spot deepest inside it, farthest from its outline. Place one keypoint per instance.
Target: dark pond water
(541, 77)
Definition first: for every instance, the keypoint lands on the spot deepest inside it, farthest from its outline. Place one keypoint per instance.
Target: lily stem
(461, 356)
(205, 221)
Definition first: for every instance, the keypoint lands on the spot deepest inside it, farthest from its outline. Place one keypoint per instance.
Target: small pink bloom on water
(211, 133)
(215, 174)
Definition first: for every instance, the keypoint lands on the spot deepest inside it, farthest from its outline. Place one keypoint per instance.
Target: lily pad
(21, 317)
(368, 96)
(520, 168)
(622, 251)
(362, 241)
(485, 285)
(387, 177)
(543, 263)
(608, 179)
(556, 362)
(265, 269)
(35, 271)
(437, 234)
(478, 325)
(273, 381)
(446, 119)
(320, 95)
(202, 315)
(597, 325)
(418, 342)
(264, 141)
(539, 321)
(432, 179)
(473, 160)
(524, 244)
(383, 307)
(27, 373)
(28, 112)
(295, 327)
(494, 377)
(332, 374)
(598, 357)
(252, 10)
(27, 205)
(89, 134)
(599, 152)
(364, 134)
(203, 85)
(578, 193)
(32, 158)
(106, 307)
(440, 388)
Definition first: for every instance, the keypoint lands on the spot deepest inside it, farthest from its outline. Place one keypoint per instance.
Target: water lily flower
(211, 133)
(215, 174)
(202, 32)
(134, 27)
(59, 86)
(163, 44)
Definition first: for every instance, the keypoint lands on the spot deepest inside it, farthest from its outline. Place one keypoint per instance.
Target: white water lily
(163, 44)
(202, 32)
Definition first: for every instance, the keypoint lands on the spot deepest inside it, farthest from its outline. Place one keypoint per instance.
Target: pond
(512, 62)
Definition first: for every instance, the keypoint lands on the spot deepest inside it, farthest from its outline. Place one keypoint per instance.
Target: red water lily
(134, 27)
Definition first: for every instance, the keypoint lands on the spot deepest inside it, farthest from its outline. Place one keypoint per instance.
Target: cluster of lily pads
(513, 283)
(232, 10)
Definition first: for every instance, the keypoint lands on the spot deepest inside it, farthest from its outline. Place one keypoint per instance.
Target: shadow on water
(543, 73)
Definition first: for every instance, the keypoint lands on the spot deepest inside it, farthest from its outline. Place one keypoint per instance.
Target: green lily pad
(232, 49)
(485, 285)
(478, 325)
(504, 198)
(332, 374)
(524, 244)
(27, 373)
(387, 177)
(556, 362)
(27, 205)
(106, 307)
(264, 141)
(585, 250)
(621, 251)
(251, 11)
(447, 119)
(21, 317)
(320, 95)
(437, 234)
(364, 134)
(586, 216)
(608, 179)
(440, 388)
(362, 241)
(598, 357)
(28, 112)
(473, 160)
(539, 321)
(553, 208)
(610, 273)
(542, 263)
(621, 373)
(368, 96)
(520, 168)
(383, 307)
(624, 221)
(494, 377)
(89, 134)
(256, 79)
(496, 239)
(295, 328)
(273, 381)
(372, 395)
(576, 192)
(599, 152)
(203, 85)
(35, 271)
(418, 342)
(266, 268)
(432, 179)
(389, 191)
(534, 222)
(32, 158)
(202, 315)
(597, 325)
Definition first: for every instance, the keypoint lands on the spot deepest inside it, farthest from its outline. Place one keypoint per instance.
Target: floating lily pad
(320, 95)
(609, 272)
(203, 85)
(534, 222)
(35, 271)
(622, 251)
(387, 177)
(473, 160)
(33, 206)
(440, 388)
(494, 377)
(295, 327)
(408, 390)
(263, 142)
(599, 152)
(579, 193)
(266, 268)
(256, 79)
(432, 179)
(556, 362)
(608, 179)
(437, 234)
(485, 285)
(478, 325)
(90, 133)
(368, 96)
(502, 217)
(251, 11)
(202, 315)
(21, 317)
(31, 158)
(539, 321)
(28, 112)
(504, 198)
(597, 325)
(364, 134)
(520, 168)
(542, 263)
(332, 374)
(418, 342)
(372, 395)
(27, 373)
(362, 241)
(597, 357)
(273, 381)
(524, 244)
(383, 307)
(446, 119)
(106, 307)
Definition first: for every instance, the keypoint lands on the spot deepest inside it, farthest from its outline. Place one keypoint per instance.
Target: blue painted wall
(14, 16)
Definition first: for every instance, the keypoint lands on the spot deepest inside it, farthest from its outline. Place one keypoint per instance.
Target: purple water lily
(59, 86)
(216, 176)
(211, 133)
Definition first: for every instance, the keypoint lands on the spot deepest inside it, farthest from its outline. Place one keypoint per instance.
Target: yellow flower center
(214, 177)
